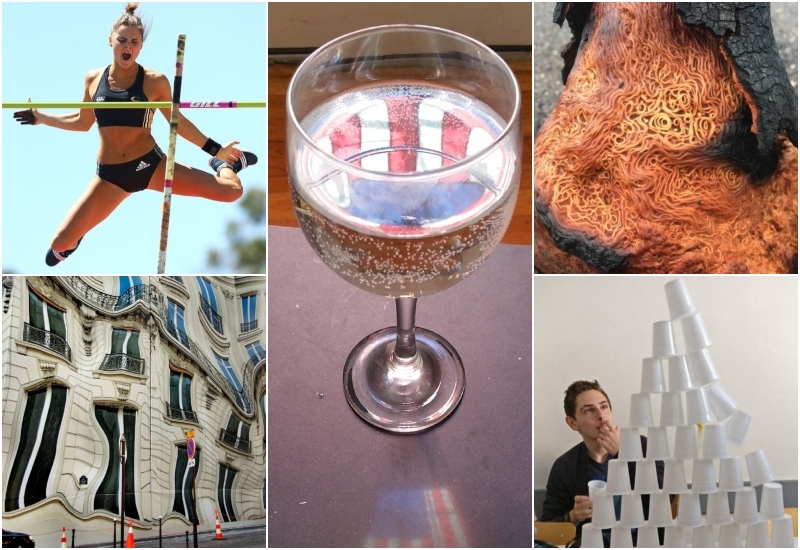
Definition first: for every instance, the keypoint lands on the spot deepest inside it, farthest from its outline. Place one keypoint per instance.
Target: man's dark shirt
(570, 476)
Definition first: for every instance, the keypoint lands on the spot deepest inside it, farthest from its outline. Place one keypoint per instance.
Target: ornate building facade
(86, 359)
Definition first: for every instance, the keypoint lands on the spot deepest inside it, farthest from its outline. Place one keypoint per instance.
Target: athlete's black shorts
(134, 175)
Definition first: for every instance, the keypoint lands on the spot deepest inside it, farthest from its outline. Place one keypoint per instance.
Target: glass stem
(406, 346)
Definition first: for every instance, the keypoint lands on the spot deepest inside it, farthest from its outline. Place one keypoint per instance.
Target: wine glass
(404, 165)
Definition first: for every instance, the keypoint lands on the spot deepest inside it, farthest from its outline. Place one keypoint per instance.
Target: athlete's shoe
(52, 257)
(243, 162)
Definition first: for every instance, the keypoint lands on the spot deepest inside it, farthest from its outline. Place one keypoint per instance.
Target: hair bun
(131, 7)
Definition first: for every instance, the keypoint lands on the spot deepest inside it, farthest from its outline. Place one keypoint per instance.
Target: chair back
(556, 533)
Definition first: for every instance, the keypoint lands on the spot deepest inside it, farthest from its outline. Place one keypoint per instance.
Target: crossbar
(133, 105)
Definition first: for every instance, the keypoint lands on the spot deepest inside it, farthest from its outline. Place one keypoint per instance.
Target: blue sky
(47, 48)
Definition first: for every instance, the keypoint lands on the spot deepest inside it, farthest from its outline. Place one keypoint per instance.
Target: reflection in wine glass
(404, 164)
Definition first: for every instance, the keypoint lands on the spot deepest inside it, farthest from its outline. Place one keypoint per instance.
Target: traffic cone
(63, 537)
(129, 540)
(219, 530)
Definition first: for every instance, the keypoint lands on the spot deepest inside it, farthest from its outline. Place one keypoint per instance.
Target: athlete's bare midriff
(120, 144)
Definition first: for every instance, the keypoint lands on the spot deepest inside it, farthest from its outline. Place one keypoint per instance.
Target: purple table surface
(334, 480)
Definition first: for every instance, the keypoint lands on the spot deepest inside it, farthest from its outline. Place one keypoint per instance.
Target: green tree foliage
(247, 242)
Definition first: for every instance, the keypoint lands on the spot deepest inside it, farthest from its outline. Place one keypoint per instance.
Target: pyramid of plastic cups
(660, 512)
(745, 511)
(671, 409)
(641, 410)
(701, 368)
(722, 405)
(595, 486)
(619, 481)
(718, 511)
(645, 481)
(663, 341)
(694, 333)
(621, 537)
(782, 533)
(771, 501)
(759, 469)
(632, 514)
(647, 537)
(730, 474)
(736, 427)
(652, 376)
(703, 476)
(603, 514)
(657, 443)
(730, 536)
(678, 369)
(686, 442)
(715, 444)
(591, 536)
(674, 477)
(674, 537)
(630, 444)
(703, 537)
(697, 409)
(678, 299)
(689, 510)
(757, 536)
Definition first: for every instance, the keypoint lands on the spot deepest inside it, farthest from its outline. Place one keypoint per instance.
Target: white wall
(600, 327)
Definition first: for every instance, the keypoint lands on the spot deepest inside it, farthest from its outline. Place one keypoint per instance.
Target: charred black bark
(576, 14)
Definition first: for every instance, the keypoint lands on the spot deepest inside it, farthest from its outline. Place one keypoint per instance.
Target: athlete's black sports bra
(137, 118)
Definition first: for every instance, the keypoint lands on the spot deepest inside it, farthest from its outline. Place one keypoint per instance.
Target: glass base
(403, 396)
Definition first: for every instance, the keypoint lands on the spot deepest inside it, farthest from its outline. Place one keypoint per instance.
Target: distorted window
(207, 292)
(209, 304)
(255, 351)
(29, 481)
(176, 322)
(44, 316)
(236, 386)
(126, 282)
(184, 500)
(180, 396)
(125, 342)
(225, 493)
(249, 313)
(113, 421)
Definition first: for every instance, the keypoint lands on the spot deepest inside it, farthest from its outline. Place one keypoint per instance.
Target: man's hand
(582, 509)
(609, 438)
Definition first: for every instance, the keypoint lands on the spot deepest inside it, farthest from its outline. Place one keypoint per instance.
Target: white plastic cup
(632, 514)
(645, 481)
(701, 368)
(678, 369)
(657, 444)
(591, 536)
(694, 333)
(782, 533)
(689, 510)
(730, 536)
(697, 409)
(674, 477)
(703, 537)
(660, 513)
(745, 511)
(703, 476)
(641, 410)
(715, 444)
(621, 537)
(653, 376)
(686, 442)
(730, 474)
(619, 481)
(722, 405)
(771, 501)
(678, 299)
(647, 537)
(759, 469)
(718, 511)
(671, 409)
(630, 444)
(757, 536)
(603, 514)
(663, 341)
(674, 537)
(595, 486)
(736, 427)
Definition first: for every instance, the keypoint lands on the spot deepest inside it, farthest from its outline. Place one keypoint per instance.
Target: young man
(588, 412)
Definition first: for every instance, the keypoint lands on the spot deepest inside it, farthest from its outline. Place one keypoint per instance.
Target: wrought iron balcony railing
(181, 414)
(50, 340)
(178, 334)
(212, 316)
(230, 440)
(121, 361)
(147, 293)
(252, 325)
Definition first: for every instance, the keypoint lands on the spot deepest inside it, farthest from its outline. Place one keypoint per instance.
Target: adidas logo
(101, 98)
(142, 166)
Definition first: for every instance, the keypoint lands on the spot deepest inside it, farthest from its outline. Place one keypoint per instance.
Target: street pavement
(249, 537)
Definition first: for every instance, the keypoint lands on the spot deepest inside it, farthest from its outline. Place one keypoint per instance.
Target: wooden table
(279, 200)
